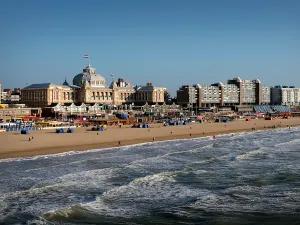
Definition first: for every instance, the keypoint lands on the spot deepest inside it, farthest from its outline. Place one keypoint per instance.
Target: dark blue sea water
(251, 178)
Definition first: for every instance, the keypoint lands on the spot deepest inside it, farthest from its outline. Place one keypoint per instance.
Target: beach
(14, 144)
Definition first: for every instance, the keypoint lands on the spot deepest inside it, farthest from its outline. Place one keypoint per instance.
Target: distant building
(89, 88)
(187, 96)
(4, 97)
(285, 95)
(235, 92)
(14, 111)
(266, 95)
(11, 97)
(209, 95)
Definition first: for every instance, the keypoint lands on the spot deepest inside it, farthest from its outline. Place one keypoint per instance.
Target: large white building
(89, 88)
(285, 95)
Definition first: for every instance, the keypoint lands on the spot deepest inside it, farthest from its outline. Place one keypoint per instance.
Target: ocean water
(247, 178)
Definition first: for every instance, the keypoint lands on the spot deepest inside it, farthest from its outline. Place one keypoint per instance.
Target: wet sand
(14, 144)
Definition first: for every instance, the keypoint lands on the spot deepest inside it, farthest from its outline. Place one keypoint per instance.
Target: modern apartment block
(187, 96)
(235, 92)
(9, 96)
(285, 95)
(265, 95)
(210, 95)
(231, 93)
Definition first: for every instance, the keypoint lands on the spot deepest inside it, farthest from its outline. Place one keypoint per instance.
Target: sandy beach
(14, 144)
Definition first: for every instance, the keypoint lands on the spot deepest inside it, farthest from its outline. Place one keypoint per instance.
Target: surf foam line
(91, 150)
(139, 144)
(160, 189)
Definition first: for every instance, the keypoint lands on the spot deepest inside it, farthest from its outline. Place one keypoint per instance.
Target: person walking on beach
(153, 139)
(190, 134)
(29, 139)
(119, 143)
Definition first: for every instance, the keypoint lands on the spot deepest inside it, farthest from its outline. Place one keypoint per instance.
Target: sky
(167, 42)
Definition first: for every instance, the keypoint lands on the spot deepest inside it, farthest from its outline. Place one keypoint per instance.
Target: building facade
(9, 96)
(4, 97)
(187, 96)
(235, 92)
(285, 95)
(210, 95)
(230, 94)
(266, 95)
(89, 87)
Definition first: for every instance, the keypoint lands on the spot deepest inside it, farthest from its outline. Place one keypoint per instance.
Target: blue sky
(168, 42)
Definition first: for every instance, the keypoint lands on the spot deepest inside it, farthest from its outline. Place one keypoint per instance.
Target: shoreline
(131, 144)
(47, 143)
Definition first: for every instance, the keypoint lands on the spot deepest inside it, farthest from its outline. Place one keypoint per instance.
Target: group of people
(270, 126)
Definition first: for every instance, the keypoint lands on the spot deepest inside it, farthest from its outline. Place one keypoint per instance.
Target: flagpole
(88, 57)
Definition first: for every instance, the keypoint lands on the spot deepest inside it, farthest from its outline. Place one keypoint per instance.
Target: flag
(111, 74)
(86, 55)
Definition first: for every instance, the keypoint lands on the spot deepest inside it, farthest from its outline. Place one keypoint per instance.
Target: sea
(245, 178)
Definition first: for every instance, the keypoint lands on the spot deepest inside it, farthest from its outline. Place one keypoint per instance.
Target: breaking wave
(249, 177)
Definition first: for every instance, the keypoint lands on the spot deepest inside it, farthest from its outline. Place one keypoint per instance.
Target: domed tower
(89, 74)
(65, 83)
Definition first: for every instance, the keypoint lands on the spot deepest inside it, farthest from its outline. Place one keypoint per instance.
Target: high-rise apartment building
(265, 95)
(235, 92)
(187, 96)
(285, 95)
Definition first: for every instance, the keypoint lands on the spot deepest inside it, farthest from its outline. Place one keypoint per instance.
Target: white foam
(110, 148)
(250, 154)
(154, 189)
(158, 190)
